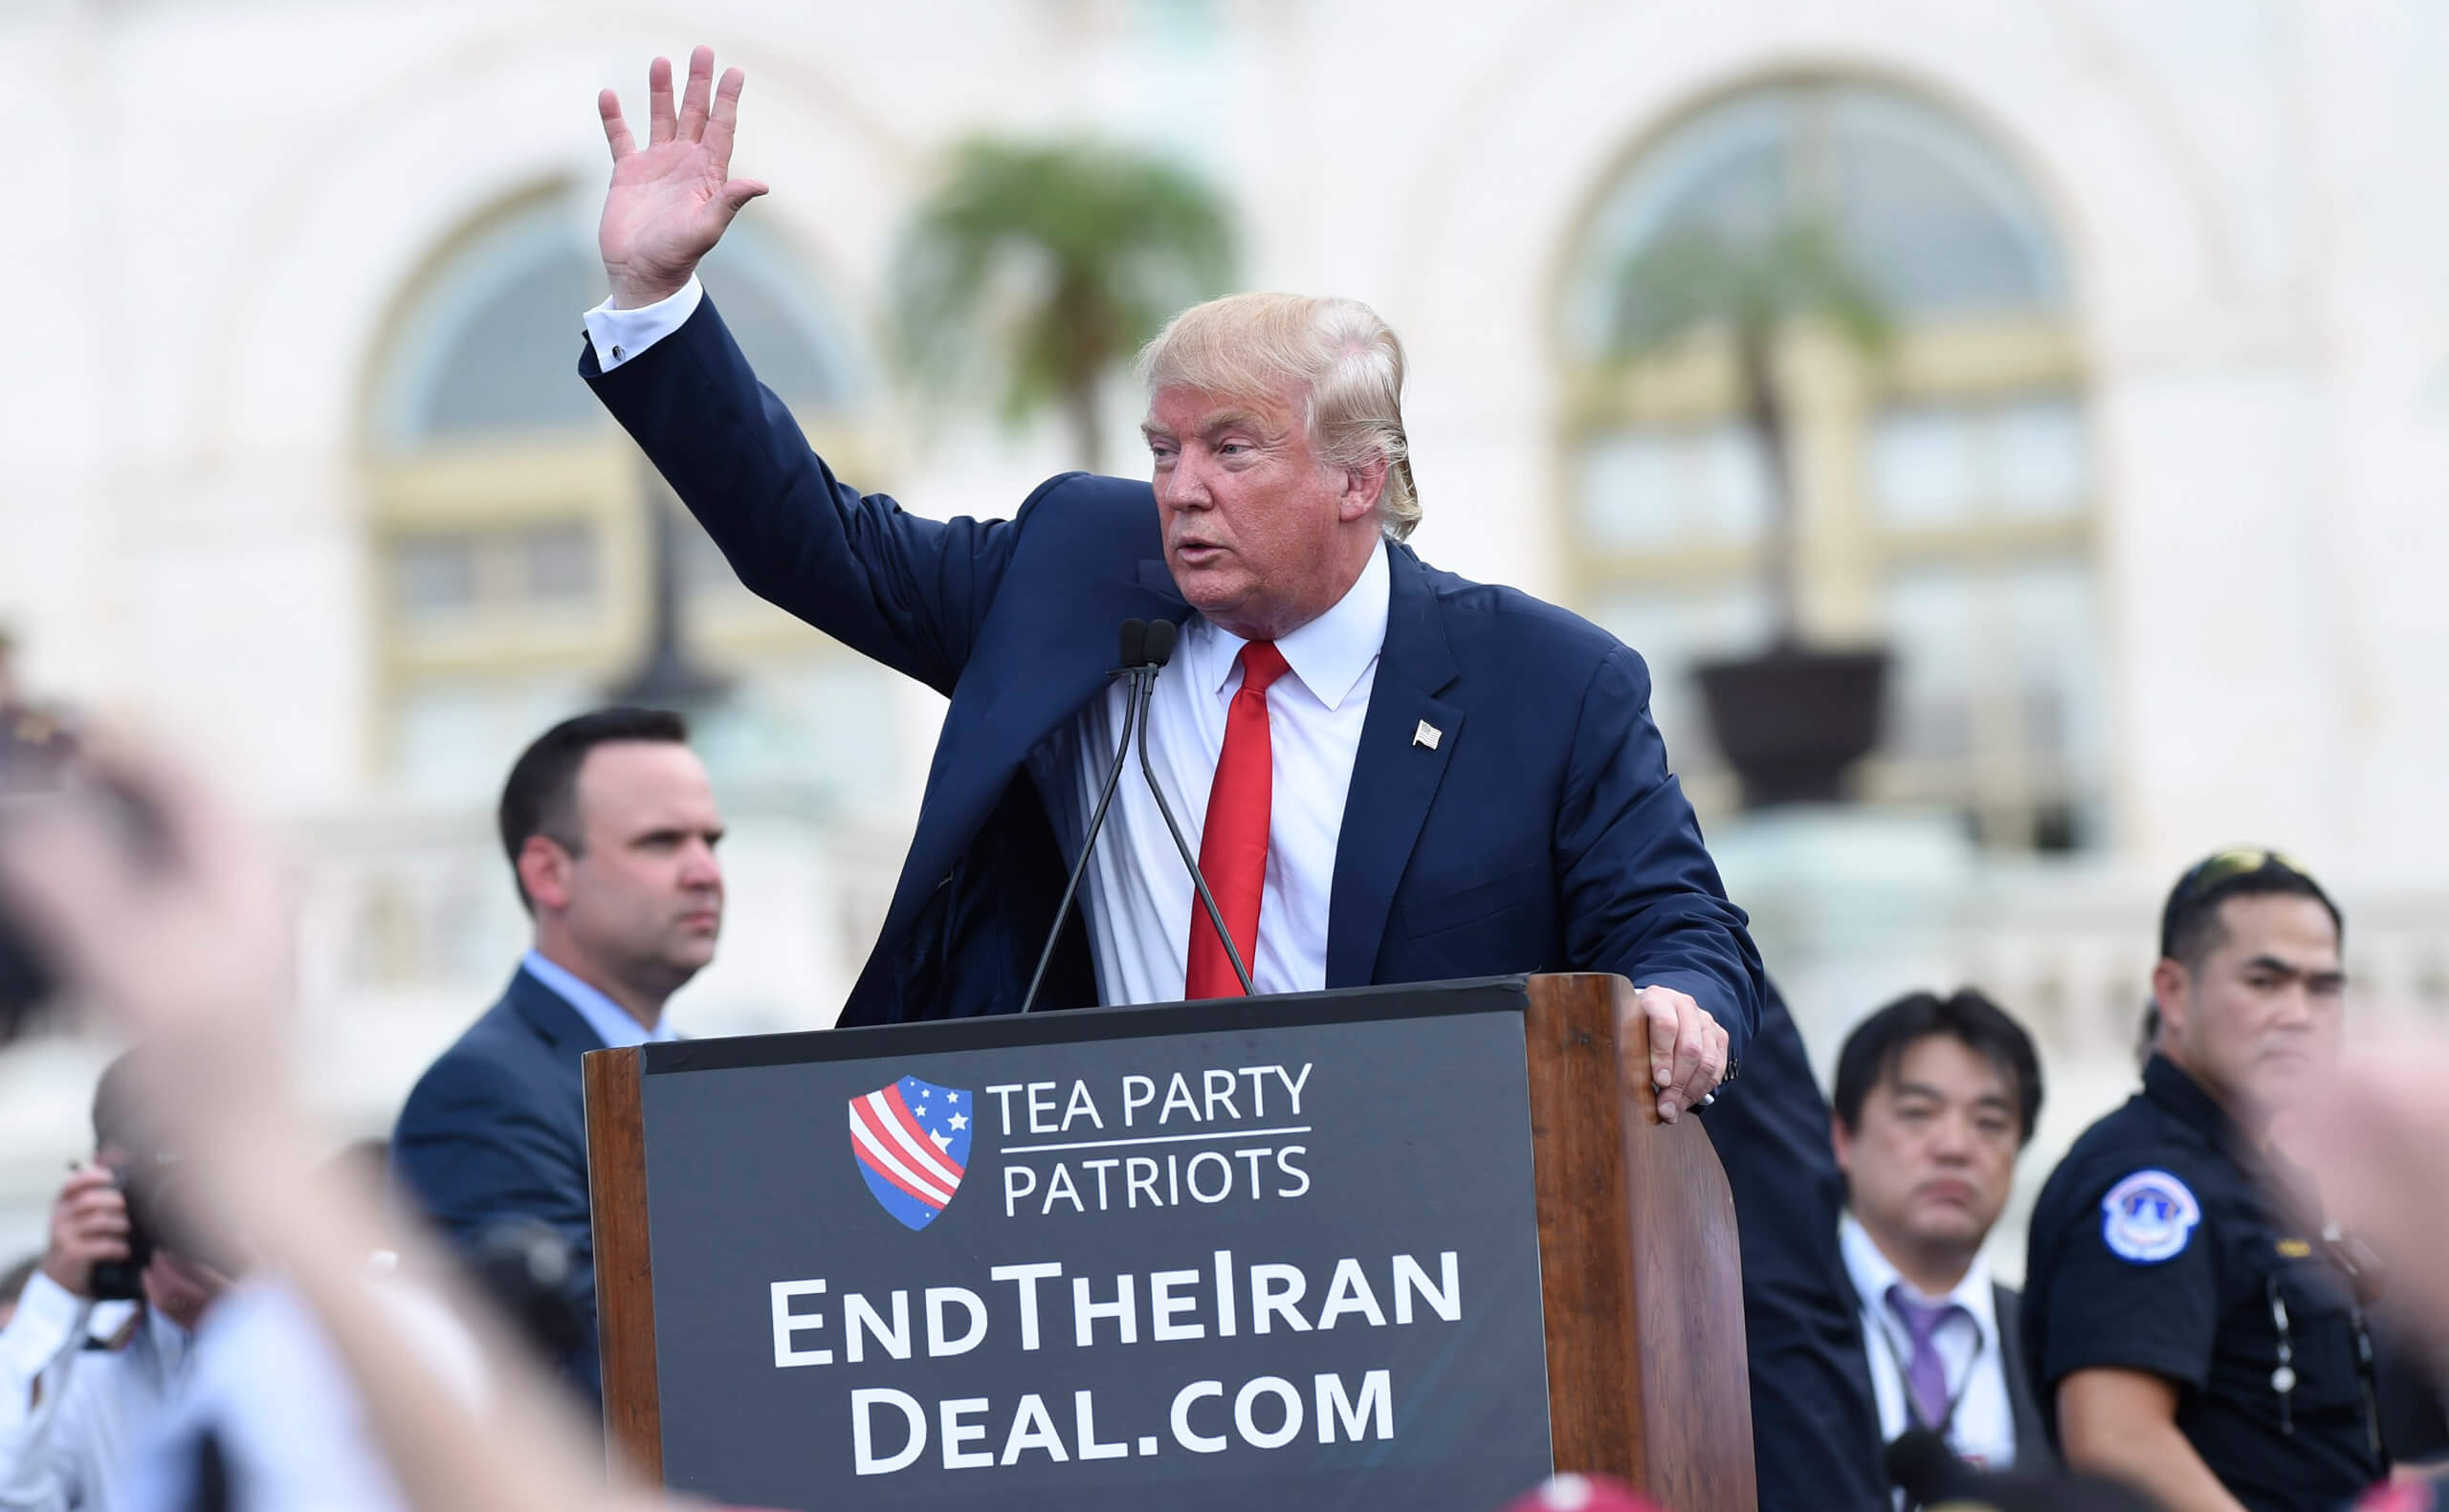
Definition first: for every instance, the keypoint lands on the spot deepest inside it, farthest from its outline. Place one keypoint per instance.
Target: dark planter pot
(1791, 720)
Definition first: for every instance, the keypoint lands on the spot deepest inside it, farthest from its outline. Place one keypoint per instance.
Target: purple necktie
(1926, 1375)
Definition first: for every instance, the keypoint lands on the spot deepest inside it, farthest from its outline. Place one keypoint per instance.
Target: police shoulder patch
(2148, 1218)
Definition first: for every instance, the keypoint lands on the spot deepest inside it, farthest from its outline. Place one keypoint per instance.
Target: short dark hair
(2190, 924)
(1880, 1041)
(541, 795)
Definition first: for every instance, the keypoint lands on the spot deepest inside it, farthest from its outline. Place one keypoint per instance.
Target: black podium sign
(1204, 1256)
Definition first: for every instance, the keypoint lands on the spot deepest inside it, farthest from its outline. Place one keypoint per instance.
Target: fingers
(1686, 1069)
(1659, 1008)
(616, 131)
(105, 1208)
(724, 123)
(1687, 1049)
(693, 98)
(660, 125)
(740, 191)
(83, 1181)
(1708, 1065)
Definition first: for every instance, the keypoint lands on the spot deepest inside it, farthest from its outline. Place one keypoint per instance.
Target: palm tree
(1039, 269)
(1755, 289)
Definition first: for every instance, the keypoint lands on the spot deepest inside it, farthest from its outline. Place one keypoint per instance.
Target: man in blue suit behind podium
(1389, 774)
(609, 824)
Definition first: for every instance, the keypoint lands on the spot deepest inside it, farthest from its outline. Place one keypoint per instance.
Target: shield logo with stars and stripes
(911, 1141)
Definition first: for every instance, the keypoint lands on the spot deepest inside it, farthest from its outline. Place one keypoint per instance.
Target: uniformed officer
(2185, 1332)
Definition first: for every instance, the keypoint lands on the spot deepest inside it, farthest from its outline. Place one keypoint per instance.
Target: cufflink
(616, 351)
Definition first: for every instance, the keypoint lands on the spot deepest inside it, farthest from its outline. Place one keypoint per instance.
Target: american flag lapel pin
(1428, 735)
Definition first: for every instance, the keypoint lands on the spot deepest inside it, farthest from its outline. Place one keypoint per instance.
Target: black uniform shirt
(2152, 1249)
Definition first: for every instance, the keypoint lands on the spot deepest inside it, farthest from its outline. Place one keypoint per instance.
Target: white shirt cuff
(51, 1320)
(621, 334)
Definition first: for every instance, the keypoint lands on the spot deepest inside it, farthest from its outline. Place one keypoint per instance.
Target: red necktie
(1232, 844)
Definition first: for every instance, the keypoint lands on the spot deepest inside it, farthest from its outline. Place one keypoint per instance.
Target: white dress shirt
(94, 1411)
(290, 1418)
(610, 1021)
(1136, 892)
(1983, 1430)
(50, 1319)
(620, 335)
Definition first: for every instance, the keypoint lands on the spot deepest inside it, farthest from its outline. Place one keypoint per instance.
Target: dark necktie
(1926, 1374)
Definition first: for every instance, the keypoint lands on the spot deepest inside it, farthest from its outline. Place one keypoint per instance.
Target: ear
(1362, 487)
(1842, 1143)
(545, 871)
(2171, 990)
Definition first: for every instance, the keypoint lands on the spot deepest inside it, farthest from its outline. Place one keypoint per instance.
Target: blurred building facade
(2149, 493)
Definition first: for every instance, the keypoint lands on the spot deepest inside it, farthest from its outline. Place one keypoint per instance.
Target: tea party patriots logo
(911, 1140)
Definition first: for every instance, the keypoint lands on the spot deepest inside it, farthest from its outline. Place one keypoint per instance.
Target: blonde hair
(1345, 358)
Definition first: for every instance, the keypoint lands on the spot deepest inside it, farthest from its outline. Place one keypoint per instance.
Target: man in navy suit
(1390, 774)
(610, 827)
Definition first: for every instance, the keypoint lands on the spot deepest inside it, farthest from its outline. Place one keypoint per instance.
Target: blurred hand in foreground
(158, 906)
(2376, 1140)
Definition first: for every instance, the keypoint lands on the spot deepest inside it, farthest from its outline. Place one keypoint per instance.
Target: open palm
(670, 199)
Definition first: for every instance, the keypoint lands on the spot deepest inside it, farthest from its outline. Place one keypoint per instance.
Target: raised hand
(671, 200)
(88, 1225)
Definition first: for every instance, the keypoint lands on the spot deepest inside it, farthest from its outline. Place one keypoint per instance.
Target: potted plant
(1792, 718)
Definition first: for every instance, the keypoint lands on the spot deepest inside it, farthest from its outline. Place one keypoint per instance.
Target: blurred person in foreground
(2378, 1133)
(379, 1417)
(1935, 1099)
(90, 1407)
(609, 823)
(2189, 1331)
(1390, 774)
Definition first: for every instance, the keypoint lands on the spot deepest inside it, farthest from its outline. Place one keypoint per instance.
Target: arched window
(510, 539)
(1943, 484)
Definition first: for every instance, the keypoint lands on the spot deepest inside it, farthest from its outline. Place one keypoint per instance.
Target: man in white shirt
(1934, 1100)
(57, 1315)
(52, 1311)
(89, 1381)
(609, 824)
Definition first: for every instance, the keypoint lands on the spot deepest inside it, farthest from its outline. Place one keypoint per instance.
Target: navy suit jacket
(497, 1129)
(1541, 832)
(1815, 1423)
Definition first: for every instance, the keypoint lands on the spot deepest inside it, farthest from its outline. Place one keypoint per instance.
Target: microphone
(1922, 1465)
(1134, 667)
(1159, 650)
(1161, 636)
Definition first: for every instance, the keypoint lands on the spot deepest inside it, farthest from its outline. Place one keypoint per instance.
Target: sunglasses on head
(2244, 861)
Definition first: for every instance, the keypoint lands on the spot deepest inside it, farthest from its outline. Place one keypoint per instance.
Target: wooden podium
(1638, 1282)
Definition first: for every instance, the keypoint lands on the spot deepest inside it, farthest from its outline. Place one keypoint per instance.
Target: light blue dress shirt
(610, 1021)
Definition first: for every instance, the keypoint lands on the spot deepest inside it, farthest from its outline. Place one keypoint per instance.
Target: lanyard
(2282, 1379)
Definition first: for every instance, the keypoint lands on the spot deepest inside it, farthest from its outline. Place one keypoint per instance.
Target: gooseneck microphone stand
(1137, 673)
(1159, 650)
